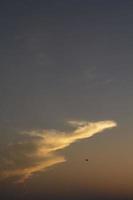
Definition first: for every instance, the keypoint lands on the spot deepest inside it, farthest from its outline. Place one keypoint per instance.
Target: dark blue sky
(59, 55)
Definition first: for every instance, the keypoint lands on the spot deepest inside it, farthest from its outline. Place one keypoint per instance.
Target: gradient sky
(66, 73)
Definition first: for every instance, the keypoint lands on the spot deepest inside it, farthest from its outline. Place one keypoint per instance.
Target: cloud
(39, 151)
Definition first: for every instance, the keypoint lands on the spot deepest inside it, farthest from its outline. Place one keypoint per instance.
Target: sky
(66, 93)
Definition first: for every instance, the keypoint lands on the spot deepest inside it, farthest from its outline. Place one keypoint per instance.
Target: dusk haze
(66, 95)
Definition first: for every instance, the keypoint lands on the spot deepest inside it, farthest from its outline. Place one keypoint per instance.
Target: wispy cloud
(39, 152)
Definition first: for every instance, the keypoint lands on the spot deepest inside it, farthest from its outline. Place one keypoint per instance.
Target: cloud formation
(39, 151)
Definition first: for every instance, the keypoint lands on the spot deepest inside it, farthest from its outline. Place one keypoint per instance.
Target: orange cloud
(47, 142)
